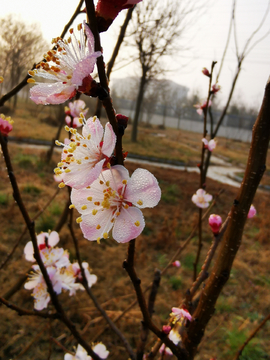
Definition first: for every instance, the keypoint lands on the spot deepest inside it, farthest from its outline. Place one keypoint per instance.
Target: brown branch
(22, 311)
(4, 262)
(174, 257)
(151, 302)
(96, 303)
(204, 272)
(251, 336)
(147, 321)
(31, 228)
(62, 346)
(23, 83)
(233, 234)
(107, 101)
(115, 53)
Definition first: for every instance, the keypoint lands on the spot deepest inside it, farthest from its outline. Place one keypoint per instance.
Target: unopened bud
(252, 212)
(176, 263)
(215, 223)
(205, 72)
(166, 329)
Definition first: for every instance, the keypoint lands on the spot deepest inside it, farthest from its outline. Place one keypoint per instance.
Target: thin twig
(107, 101)
(151, 302)
(62, 346)
(227, 44)
(203, 274)
(251, 336)
(4, 262)
(25, 312)
(114, 54)
(31, 228)
(147, 321)
(98, 306)
(180, 249)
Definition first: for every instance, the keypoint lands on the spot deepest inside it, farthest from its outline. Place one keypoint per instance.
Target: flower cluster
(69, 67)
(5, 125)
(105, 196)
(74, 112)
(63, 274)
(81, 353)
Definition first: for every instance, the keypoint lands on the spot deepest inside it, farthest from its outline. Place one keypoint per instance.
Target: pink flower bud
(176, 263)
(252, 212)
(122, 120)
(215, 88)
(107, 10)
(215, 223)
(166, 329)
(5, 125)
(205, 72)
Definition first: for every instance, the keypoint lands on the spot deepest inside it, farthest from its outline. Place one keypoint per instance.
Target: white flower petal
(124, 228)
(143, 189)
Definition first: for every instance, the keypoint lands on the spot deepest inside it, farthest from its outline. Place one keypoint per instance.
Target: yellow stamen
(137, 223)
(98, 240)
(84, 207)
(67, 170)
(139, 202)
(61, 185)
(78, 220)
(94, 211)
(124, 182)
(98, 227)
(71, 206)
(105, 235)
(79, 27)
(107, 183)
(31, 81)
(89, 198)
(97, 203)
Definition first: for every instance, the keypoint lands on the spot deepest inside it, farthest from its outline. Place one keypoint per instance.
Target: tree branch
(233, 234)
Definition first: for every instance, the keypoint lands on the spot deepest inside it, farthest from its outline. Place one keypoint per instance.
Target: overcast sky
(205, 38)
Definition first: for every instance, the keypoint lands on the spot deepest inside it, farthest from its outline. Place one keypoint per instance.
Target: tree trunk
(143, 82)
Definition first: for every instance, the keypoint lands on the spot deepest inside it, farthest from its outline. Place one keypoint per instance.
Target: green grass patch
(31, 189)
(4, 198)
(188, 260)
(235, 338)
(45, 223)
(175, 282)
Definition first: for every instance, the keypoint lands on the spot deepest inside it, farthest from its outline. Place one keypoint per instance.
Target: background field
(243, 303)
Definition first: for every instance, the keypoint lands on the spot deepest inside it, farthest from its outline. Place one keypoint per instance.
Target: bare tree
(20, 46)
(156, 27)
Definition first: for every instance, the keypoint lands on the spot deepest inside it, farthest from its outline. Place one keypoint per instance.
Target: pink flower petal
(55, 93)
(95, 129)
(124, 228)
(82, 175)
(53, 238)
(143, 189)
(109, 140)
(94, 226)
